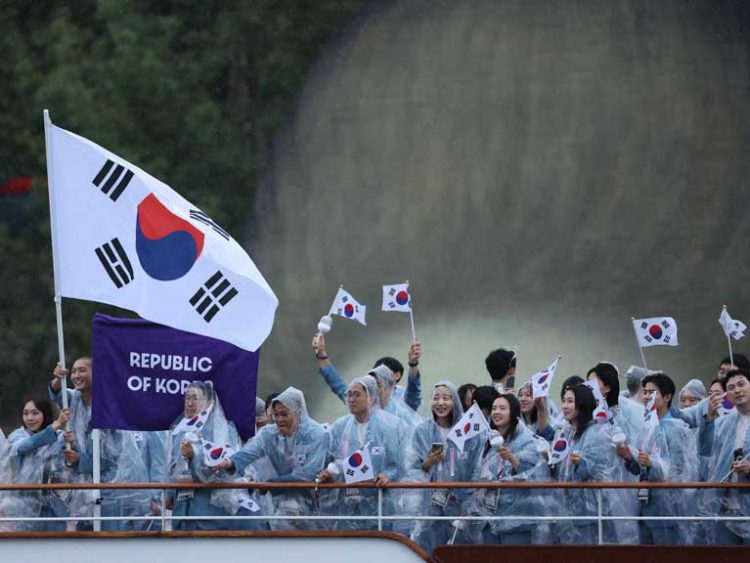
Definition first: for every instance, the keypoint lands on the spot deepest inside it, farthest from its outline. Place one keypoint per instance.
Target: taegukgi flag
(733, 328)
(397, 298)
(655, 331)
(541, 382)
(122, 237)
(471, 424)
(560, 448)
(346, 306)
(650, 416)
(358, 466)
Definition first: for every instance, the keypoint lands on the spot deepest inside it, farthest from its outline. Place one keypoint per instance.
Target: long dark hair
(608, 375)
(43, 406)
(585, 405)
(515, 413)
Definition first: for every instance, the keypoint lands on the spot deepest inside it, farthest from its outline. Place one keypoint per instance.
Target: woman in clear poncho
(625, 417)
(35, 456)
(296, 448)
(591, 458)
(511, 454)
(432, 457)
(201, 433)
(534, 412)
(366, 424)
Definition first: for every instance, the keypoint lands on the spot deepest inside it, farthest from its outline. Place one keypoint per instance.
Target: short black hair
(740, 361)
(270, 398)
(608, 375)
(735, 373)
(663, 382)
(391, 363)
(498, 362)
(484, 396)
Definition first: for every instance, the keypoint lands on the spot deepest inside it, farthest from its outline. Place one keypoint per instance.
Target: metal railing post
(599, 514)
(380, 509)
(163, 510)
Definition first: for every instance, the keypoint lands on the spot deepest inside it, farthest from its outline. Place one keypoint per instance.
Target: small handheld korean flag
(471, 424)
(214, 454)
(655, 331)
(650, 416)
(559, 449)
(540, 382)
(358, 466)
(193, 423)
(397, 298)
(601, 412)
(344, 305)
(733, 328)
(726, 406)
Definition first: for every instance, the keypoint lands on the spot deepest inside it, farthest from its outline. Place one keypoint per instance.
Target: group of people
(596, 433)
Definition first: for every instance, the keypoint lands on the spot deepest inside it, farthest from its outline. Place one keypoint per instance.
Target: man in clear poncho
(198, 437)
(665, 452)
(296, 447)
(120, 460)
(727, 441)
(432, 457)
(692, 393)
(366, 425)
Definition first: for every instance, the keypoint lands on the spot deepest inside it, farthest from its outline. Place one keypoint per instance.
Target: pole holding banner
(640, 348)
(55, 265)
(411, 315)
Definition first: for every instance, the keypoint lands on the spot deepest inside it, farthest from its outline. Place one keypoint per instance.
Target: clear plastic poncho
(384, 433)
(297, 457)
(457, 465)
(211, 437)
(720, 439)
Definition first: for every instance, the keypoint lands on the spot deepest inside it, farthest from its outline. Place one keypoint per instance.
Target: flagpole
(640, 348)
(55, 265)
(411, 317)
(729, 338)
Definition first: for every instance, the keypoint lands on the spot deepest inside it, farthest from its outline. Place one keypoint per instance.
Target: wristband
(413, 365)
(323, 357)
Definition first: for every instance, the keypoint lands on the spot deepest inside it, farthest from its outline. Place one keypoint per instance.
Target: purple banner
(141, 371)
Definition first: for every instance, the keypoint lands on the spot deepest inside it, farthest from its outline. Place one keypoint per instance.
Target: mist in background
(540, 172)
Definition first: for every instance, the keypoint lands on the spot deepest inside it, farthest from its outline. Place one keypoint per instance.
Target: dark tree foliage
(190, 90)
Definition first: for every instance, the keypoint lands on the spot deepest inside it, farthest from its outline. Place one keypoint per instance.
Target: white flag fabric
(601, 412)
(472, 423)
(733, 328)
(358, 466)
(344, 305)
(560, 448)
(541, 382)
(397, 298)
(650, 416)
(122, 237)
(655, 331)
(193, 423)
(214, 454)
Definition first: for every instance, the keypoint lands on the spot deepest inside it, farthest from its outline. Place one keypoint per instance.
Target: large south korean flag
(122, 237)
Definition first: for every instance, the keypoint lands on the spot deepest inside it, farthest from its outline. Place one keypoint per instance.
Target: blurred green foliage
(190, 90)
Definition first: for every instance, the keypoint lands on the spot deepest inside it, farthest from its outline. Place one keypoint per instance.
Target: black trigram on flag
(350, 472)
(458, 432)
(206, 220)
(364, 469)
(116, 263)
(212, 296)
(113, 182)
